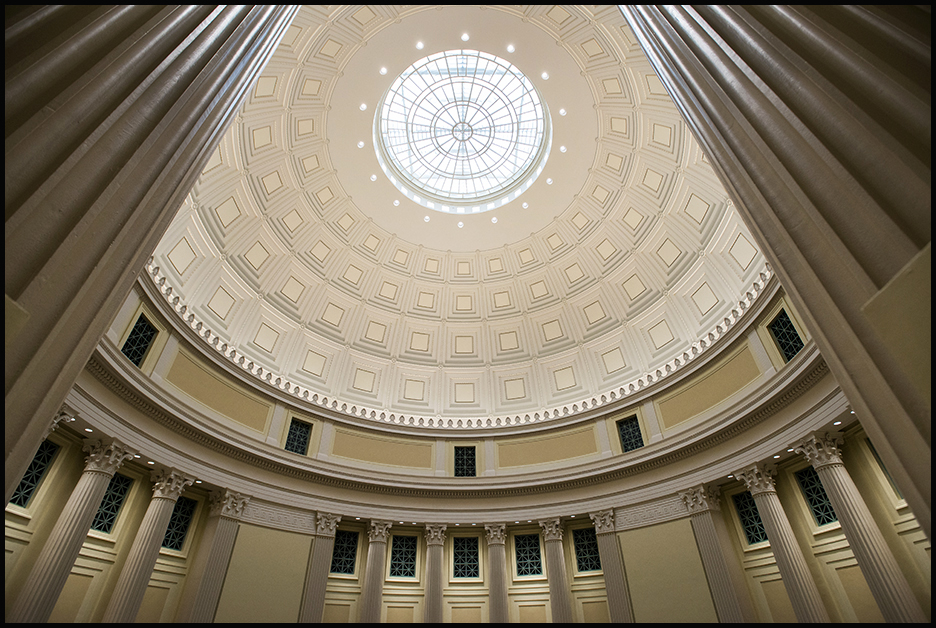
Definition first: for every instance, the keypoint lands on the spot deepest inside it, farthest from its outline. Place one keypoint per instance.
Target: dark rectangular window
(465, 560)
(750, 518)
(784, 334)
(344, 552)
(34, 473)
(114, 497)
(529, 562)
(403, 557)
(815, 496)
(629, 431)
(139, 341)
(464, 462)
(586, 549)
(179, 523)
(297, 440)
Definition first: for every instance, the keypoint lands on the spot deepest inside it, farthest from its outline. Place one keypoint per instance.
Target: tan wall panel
(781, 609)
(154, 601)
(596, 612)
(466, 615)
(660, 560)
(859, 594)
(557, 446)
(197, 381)
(337, 614)
(709, 388)
(382, 450)
(533, 614)
(400, 614)
(71, 598)
(265, 576)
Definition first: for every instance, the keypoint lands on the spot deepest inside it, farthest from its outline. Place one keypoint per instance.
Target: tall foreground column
(799, 584)
(887, 583)
(612, 565)
(47, 578)
(135, 576)
(703, 504)
(111, 113)
(556, 572)
(435, 575)
(497, 557)
(209, 566)
(818, 121)
(313, 597)
(372, 595)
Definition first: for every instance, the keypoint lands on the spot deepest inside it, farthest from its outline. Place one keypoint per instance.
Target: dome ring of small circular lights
(462, 131)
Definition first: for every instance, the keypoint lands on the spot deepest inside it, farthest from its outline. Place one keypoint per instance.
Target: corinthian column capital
(699, 499)
(496, 533)
(326, 523)
(758, 478)
(106, 455)
(435, 533)
(821, 449)
(227, 504)
(552, 529)
(379, 531)
(169, 483)
(603, 520)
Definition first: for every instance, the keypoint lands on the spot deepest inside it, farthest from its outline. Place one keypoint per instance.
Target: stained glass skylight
(462, 131)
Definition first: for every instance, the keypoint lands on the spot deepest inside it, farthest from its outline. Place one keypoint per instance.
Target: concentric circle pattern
(462, 129)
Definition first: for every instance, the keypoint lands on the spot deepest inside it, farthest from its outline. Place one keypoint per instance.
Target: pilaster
(371, 596)
(435, 577)
(496, 535)
(612, 565)
(559, 594)
(313, 599)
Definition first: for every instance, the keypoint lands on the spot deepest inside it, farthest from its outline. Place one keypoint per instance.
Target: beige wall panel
(336, 614)
(400, 614)
(69, 602)
(466, 615)
(661, 559)
(859, 594)
(712, 386)
(558, 446)
(781, 609)
(196, 380)
(596, 612)
(382, 450)
(533, 614)
(154, 601)
(265, 577)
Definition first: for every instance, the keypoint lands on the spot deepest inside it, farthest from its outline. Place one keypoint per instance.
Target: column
(372, 595)
(435, 574)
(47, 578)
(496, 534)
(97, 164)
(135, 576)
(612, 565)
(313, 599)
(887, 583)
(799, 584)
(209, 565)
(807, 127)
(703, 508)
(556, 572)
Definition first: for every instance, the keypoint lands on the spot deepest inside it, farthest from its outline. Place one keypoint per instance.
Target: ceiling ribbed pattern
(301, 264)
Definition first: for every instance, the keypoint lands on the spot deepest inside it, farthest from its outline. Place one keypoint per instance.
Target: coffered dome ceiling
(299, 259)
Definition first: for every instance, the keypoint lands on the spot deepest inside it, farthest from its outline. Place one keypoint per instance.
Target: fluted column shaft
(497, 558)
(209, 566)
(612, 565)
(559, 593)
(799, 584)
(820, 115)
(435, 575)
(135, 576)
(111, 114)
(313, 599)
(888, 585)
(372, 595)
(702, 505)
(47, 578)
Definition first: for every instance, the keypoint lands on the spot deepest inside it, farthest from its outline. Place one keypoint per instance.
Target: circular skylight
(462, 131)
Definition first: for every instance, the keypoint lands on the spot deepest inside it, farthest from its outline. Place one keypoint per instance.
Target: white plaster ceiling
(628, 265)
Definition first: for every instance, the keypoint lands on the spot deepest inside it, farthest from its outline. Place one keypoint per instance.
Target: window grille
(179, 523)
(345, 552)
(529, 562)
(297, 440)
(464, 462)
(466, 561)
(139, 340)
(114, 497)
(403, 557)
(750, 518)
(629, 431)
(34, 473)
(816, 496)
(784, 333)
(586, 549)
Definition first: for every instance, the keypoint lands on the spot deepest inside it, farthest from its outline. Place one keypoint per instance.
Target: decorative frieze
(227, 504)
(435, 533)
(326, 523)
(821, 449)
(603, 520)
(637, 516)
(758, 478)
(279, 517)
(699, 499)
(552, 529)
(379, 531)
(106, 455)
(169, 483)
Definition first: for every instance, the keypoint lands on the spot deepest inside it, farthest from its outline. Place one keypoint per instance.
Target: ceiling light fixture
(525, 205)
(510, 48)
(363, 107)
(562, 112)
(545, 76)
(383, 70)
(549, 181)
(426, 218)
(460, 225)
(373, 177)
(562, 149)
(464, 36)
(494, 219)
(396, 203)
(419, 45)
(88, 429)
(360, 144)
(837, 423)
